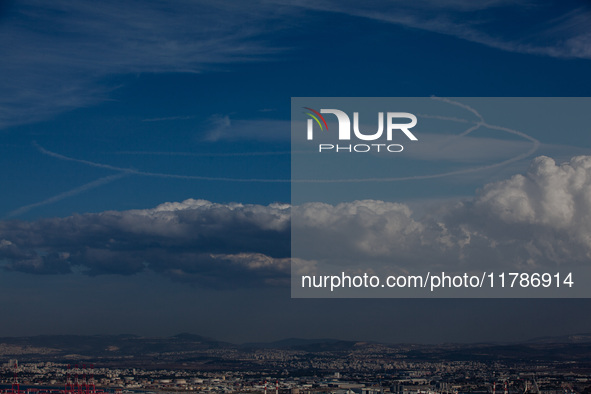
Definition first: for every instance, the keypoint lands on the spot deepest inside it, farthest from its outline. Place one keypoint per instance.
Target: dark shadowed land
(195, 351)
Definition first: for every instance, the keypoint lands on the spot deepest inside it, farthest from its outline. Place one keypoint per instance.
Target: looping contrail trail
(479, 124)
(132, 171)
(123, 172)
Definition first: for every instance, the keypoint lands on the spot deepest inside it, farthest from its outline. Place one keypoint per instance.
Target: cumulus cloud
(539, 219)
(195, 241)
(543, 215)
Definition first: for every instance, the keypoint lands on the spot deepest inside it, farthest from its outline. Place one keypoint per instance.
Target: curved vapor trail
(122, 172)
(452, 119)
(458, 104)
(479, 124)
(132, 171)
(199, 154)
(87, 162)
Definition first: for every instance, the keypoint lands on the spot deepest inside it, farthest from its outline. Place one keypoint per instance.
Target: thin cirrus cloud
(538, 219)
(57, 55)
(536, 29)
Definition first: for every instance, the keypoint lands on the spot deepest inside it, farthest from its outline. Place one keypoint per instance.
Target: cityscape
(200, 365)
(163, 178)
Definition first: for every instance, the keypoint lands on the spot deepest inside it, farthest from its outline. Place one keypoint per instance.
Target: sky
(146, 161)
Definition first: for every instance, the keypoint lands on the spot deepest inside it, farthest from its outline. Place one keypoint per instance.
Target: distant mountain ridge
(193, 349)
(108, 345)
(573, 338)
(300, 343)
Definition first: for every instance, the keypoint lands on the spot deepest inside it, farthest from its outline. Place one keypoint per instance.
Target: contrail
(69, 193)
(168, 118)
(90, 163)
(431, 176)
(478, 124)
(458, 104)
(452, 119)
(196, 154)
(132, 171)
(481, 123)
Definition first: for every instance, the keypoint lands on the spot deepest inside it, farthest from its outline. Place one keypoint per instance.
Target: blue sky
(119, 107)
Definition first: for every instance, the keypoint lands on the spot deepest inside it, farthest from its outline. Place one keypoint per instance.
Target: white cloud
(539, 219)
(550, 204)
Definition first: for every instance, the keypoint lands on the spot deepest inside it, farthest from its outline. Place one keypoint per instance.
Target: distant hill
(105, 346)
(575, 338)
(302, 344)
(191, 349)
